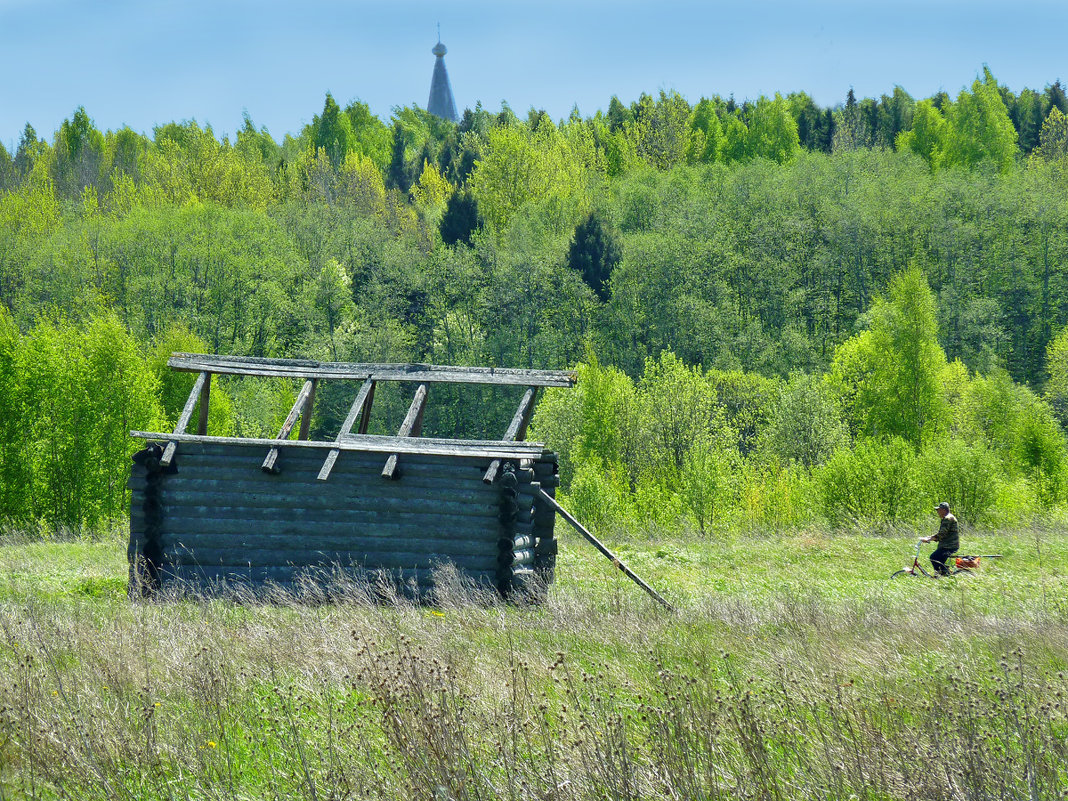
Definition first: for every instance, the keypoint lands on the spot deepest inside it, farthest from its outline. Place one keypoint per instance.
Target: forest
(782, 314)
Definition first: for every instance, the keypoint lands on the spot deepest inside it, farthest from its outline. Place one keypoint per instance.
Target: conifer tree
(460, 220)
(594, 253)
(8, 174)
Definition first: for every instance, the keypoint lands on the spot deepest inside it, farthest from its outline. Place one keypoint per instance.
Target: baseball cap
(942, 505)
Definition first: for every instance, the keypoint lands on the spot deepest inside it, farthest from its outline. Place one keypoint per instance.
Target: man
(948, 539)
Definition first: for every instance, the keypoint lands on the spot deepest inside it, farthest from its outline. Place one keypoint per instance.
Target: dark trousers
(938, 559)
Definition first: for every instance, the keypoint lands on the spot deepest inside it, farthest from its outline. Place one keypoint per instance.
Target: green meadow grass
(793, 667)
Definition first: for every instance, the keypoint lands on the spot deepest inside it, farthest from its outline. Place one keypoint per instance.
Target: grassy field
(792, 669)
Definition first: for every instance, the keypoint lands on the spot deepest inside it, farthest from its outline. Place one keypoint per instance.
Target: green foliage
(332, 132)
(1041, 451)
(174, 386)
(14, 464)
(772, 131)
(874, 483)
(678, 409)
(1057, 387)
(82, 390)
(806, 424)
(731, 246)
(978, 129)
(460, 220)
(79, 149)
(926, 138)
(708, 482)
(968, 476)
(706, 133)
(889, 377)
(1053, 138)
(522, 167)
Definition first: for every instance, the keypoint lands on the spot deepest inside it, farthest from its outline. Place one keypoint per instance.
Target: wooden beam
(517, 430)
(270, 464)
(205, 400)
(372, 443)
(365, 418)
(183, 419)
(421, 373)
(306, 414)
(596, 543)
(411, 427)
(356, 410)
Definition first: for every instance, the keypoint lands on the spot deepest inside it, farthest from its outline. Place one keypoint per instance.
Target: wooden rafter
(302, 409)
(517, 430)
(358, 409)
(411, 427)
(187, 413)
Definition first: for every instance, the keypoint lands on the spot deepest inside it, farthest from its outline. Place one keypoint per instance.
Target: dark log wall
(213, 517)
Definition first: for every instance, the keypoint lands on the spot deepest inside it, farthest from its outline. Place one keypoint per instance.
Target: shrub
(83, 390)
(967, 476)
(775, 496)
(873, 483)
(1040, 451)
(806, 426)
(598, 495)
(708, 483)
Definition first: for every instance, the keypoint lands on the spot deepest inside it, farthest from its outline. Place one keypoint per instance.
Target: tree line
(753, 240)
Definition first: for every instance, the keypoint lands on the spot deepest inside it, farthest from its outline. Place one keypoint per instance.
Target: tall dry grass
(786, 697)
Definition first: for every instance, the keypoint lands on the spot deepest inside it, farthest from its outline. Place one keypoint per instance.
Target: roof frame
(408, 440)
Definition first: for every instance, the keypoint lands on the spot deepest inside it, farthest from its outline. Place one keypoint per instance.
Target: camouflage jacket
(948, 536)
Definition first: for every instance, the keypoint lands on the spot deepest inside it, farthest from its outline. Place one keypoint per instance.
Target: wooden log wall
(213, 519)
(528, 548)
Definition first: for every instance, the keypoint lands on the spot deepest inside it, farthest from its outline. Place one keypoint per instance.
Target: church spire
(441, 103)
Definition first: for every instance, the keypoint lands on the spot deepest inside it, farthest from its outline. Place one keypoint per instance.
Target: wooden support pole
(306, 414)
(517, 431)
(551, 501)
(365, 418)
(183, 420)
(357, 409)
(411, 427)
(205, 399)
(270, 464)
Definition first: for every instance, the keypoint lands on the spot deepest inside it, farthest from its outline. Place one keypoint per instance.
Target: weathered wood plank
(306, 412)
(428, 476)
(309, 460)
(517, 430)
(421, 373)
(437, 450)
(596, 543)
(400, 558)
(276, 505)
(411, 427)
(472, 449)
(334, 543)
(365, 418)
(238, 478)
(358, 409)
(205, 401)
(196, 574)
(322, 535)
(183, 419)
(270, 463)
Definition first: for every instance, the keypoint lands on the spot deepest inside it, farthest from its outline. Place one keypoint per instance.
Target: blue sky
(146, 63)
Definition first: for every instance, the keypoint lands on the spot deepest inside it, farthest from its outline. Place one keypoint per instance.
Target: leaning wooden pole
(551, 501)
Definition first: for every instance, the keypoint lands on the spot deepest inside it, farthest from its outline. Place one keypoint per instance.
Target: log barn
(211, 514)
